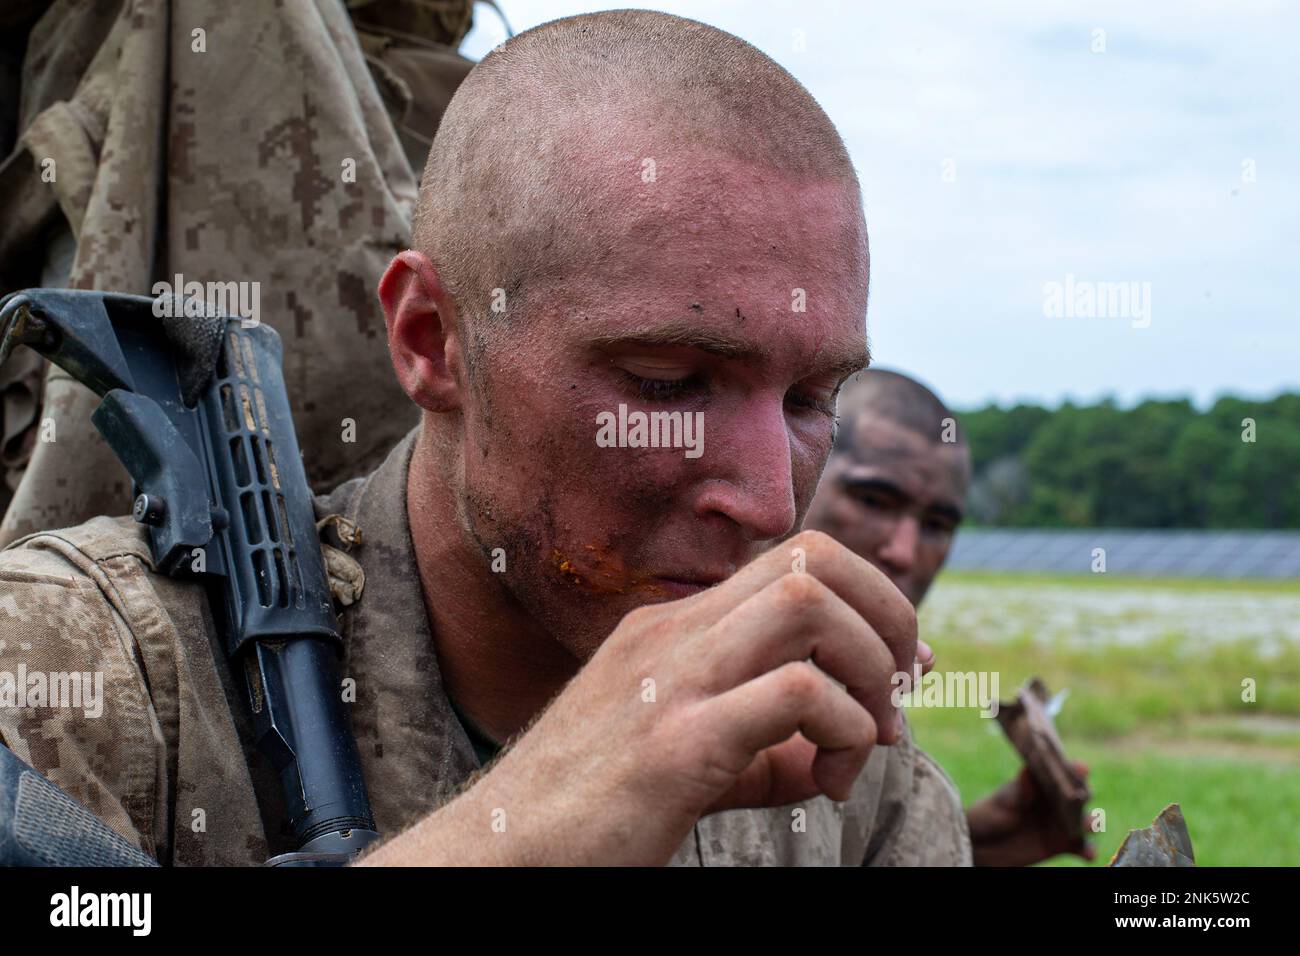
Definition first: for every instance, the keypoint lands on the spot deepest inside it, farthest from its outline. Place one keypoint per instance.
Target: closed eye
(664, 389)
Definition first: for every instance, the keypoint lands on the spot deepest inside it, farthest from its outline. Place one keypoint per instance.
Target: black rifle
(195, 408)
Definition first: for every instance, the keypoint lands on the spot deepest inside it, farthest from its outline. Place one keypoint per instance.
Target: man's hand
(770, 688)
(1015, 826)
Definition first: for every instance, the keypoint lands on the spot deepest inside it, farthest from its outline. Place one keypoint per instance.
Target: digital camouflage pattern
(139, 149)
(169, 751)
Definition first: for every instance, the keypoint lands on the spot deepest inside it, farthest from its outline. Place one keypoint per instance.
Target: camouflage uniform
(168, 749)
(222, 165)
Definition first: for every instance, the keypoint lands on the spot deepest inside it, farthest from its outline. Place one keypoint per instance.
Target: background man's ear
(424, 335)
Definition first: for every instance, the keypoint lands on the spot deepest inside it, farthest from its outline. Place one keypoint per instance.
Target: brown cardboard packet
(1031, 731)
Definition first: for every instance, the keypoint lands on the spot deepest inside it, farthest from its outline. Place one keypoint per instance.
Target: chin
(583, 627)
(916, 593)
(909, 589)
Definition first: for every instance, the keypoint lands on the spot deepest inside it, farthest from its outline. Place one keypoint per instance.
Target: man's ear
(423, 332)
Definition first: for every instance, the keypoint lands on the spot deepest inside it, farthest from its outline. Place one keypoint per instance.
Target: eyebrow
(713, 342)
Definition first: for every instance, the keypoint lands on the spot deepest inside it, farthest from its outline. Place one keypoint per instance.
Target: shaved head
(542, 139)
(882, 394)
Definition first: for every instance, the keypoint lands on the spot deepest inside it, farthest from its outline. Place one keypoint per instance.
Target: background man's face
(895, 498)
(686, 304)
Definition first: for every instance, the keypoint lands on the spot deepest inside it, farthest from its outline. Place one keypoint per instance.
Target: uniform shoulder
(98, 539)
(74, 700)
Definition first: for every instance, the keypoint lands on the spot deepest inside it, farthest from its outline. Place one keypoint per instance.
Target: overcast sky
(1172, 158)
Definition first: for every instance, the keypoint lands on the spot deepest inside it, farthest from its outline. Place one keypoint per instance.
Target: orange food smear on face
(602, 578)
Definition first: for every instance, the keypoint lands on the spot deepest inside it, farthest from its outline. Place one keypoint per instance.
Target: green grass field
(1155, 673)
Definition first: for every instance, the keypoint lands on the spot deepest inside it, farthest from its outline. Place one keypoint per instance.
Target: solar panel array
(1155, 553)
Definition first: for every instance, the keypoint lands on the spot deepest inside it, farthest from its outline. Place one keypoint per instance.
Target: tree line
(1159, 464)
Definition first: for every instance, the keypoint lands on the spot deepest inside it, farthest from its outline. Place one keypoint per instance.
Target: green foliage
(1160, 464)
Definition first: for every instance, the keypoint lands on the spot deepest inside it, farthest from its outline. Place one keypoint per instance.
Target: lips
(680, 586)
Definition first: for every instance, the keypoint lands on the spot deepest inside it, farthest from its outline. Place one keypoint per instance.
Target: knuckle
(815, 543)
(798, 591)
(801, 683)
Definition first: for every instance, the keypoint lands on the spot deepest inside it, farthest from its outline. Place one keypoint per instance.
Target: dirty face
(720, 293)
(895, 498)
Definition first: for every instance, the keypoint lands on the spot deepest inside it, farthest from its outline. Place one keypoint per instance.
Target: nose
(752, 478)
(898, 553)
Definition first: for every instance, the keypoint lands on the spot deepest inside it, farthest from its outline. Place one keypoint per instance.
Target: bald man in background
(562, 651)
(894, 491)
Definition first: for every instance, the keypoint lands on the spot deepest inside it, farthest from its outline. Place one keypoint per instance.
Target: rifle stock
(194, 406)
